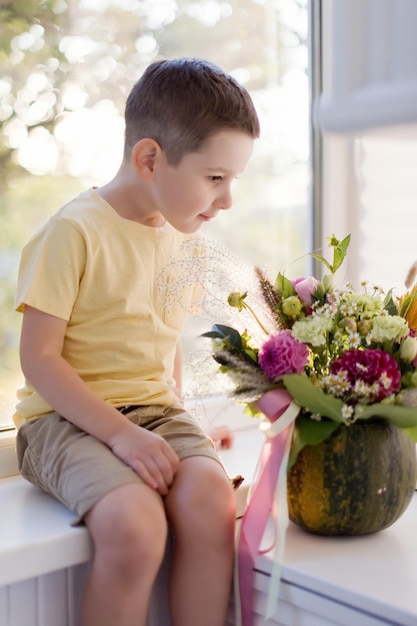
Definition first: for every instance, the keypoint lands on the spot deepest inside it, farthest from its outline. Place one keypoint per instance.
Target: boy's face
(194, 191)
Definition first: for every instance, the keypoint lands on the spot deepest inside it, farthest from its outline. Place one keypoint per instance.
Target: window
(66, 69)
(366, 115)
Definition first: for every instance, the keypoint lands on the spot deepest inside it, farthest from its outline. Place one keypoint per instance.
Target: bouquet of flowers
(342, 356)
(311, 357)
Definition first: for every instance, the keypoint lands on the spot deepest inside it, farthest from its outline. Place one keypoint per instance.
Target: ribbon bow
(267, 497)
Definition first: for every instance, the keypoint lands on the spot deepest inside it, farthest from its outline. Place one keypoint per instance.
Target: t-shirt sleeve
(51, 268)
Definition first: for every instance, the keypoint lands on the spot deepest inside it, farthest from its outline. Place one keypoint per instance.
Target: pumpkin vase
(360, 480)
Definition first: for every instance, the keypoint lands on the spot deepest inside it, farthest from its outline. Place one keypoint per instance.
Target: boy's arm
(177, 375)
(59, 384)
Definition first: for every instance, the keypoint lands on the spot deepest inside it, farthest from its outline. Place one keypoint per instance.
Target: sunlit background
(66, 69)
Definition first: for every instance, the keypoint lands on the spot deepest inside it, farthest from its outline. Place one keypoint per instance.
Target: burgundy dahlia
(373, 367)
(282, 354)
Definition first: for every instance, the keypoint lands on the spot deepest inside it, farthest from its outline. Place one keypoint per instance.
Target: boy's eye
(215, 178)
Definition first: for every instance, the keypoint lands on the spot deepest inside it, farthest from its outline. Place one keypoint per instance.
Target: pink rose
(306, 288)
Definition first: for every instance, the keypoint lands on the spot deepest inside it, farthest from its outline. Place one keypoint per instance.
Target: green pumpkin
(358, 481)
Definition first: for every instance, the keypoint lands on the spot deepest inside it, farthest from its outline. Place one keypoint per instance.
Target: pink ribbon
(275, 405)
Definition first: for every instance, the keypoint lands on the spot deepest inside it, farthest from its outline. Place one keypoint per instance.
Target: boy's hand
(222, 437)
(148, 454)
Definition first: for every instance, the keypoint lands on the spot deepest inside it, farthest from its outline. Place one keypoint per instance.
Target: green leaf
(339, 253)
(251, 409)
(411, 432)
(252, 354)
(308, 432)
(211, 334)
(401, 416)
(389, 304)
(314, 400)
(321, 259)
(219, 331)
(284, 286)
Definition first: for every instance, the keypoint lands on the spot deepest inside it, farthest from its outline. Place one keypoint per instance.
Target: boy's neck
(130, 200)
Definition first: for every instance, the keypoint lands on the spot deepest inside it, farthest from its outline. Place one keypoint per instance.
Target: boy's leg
(201, 509)
(129, 531)
(126, 519)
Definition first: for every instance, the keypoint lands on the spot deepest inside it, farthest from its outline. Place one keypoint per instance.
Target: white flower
(364, 305)
(347, 411)
(312, 330)
(388, 328)
(354, 340)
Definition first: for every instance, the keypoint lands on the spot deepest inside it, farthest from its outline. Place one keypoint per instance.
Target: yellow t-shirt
(102, 273)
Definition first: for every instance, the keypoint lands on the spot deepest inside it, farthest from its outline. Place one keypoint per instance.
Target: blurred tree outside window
(66, 67)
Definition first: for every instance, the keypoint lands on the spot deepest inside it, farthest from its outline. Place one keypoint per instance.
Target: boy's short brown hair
(182, 102)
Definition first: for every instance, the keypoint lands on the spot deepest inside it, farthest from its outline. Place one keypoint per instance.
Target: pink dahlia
(372, 367)
(282, 354)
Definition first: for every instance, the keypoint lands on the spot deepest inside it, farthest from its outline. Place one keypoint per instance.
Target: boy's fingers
(222, 437)
(142, 471)
(157, 473)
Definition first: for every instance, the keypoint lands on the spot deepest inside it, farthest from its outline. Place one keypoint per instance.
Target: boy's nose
(224, 201)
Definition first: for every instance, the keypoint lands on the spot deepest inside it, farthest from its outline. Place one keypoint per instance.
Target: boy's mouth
(208, 217)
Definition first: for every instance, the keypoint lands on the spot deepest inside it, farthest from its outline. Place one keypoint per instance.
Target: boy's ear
(145, 155)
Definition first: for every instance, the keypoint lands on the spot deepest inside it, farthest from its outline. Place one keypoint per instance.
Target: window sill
(25, 548)
(50, 543)
(8, 461)
(320, 583)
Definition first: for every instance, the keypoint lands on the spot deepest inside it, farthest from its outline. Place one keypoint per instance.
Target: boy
(100, 425)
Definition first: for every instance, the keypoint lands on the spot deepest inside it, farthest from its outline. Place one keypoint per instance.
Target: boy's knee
(207, 505)
(129, 527)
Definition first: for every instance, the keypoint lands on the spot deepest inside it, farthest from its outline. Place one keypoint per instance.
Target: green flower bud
(350, 325)
(364, 327)
(408, 349)
(409, 398)
(235, 299)
(292, 307)
(328, 283)
(320, 291)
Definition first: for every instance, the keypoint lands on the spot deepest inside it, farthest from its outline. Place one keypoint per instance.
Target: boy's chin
(187, 229)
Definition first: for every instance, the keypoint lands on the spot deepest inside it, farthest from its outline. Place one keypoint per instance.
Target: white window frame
(365, 78)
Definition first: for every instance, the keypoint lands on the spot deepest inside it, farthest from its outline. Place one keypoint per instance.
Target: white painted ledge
(8, 461)
(375, 575)
(36, 536)
(35, 533)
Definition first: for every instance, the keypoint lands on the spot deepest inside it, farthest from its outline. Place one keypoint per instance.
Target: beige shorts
(79, 470)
